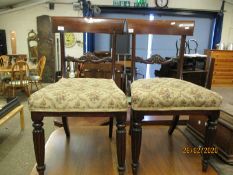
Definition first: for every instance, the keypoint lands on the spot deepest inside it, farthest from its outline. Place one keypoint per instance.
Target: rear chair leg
(173, 124)
(66, 126)
(110, 127)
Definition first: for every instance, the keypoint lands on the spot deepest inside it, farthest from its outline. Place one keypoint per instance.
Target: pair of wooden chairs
(168, 96)
(98, 97)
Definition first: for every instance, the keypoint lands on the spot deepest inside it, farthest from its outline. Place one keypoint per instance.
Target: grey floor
(16, 147)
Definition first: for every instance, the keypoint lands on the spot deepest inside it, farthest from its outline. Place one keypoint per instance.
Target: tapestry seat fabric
(164, 94)
(79, 95)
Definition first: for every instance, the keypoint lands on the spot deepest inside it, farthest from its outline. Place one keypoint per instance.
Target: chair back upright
(41, 66)
(20, 74)
(186, 50)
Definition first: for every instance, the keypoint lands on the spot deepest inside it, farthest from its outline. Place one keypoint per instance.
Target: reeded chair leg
(66, 126)
(39, 142)
(136, 139)
(173, 124)
(121, 143)
(110, 127)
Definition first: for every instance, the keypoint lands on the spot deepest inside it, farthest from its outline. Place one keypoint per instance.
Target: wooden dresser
(223, 67)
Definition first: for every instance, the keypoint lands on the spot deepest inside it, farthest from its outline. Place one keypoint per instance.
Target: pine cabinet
(223, 67)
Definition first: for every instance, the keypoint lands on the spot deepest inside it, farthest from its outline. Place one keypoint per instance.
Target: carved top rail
(154, 59)
(160, 27)
(89, 58)
(92, 25)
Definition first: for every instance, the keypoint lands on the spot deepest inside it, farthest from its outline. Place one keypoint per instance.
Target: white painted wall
(24, 20)
(227, 32)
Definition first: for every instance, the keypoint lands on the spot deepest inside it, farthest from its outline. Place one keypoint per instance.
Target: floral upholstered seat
(172, 94)
(79, 95)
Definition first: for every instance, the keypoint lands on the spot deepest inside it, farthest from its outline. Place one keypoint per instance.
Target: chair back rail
(88, 58)
(154, 59)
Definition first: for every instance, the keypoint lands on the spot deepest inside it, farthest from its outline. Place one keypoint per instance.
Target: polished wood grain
(90, 152)
(138, 26)
(92, 25)
(161, 27)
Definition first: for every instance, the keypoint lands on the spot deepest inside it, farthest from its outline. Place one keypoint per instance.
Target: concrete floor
(16, 146)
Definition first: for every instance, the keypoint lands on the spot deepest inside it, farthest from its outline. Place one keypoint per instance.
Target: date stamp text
(200, 150)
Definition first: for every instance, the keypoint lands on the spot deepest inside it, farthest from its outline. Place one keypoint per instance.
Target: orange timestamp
(200, 150)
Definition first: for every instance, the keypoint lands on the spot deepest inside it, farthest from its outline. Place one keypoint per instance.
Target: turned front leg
(209, 139)
(121, 143)
(39, 142)
(136, 138)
